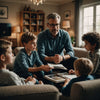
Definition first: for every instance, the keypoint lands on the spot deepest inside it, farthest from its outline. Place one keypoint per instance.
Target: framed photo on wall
(3, 12)
(67, 14)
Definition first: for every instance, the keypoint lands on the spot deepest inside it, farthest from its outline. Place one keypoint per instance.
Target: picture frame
(67, 14)
(3, 12)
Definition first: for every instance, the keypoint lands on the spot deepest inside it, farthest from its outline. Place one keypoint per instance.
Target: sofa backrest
(80, 52)
(86, 90)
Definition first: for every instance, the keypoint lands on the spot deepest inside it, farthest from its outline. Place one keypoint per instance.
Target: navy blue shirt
(47, 45)
(67, 89)
(23, 62)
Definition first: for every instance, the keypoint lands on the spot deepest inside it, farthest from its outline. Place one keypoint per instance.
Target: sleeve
(38, 61)
(22, 62)
(14, 79)
(96, 63)
(66, 90)
(41, 47)
(68, 45)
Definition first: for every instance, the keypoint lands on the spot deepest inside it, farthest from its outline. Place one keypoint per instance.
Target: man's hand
(58, 58)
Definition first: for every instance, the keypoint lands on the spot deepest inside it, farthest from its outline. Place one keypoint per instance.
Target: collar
(50, 35)
(93, 54)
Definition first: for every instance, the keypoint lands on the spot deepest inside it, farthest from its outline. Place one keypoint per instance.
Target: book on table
(57, 66)
(59, 77)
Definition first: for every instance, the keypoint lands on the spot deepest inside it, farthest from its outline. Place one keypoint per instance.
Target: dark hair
(4, 45)
(53, 16)
(92, 38)
(28, 36)
(84, 66)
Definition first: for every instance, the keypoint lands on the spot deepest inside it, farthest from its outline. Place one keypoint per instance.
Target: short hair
(84, 66)
(28, 36)
(54, 16)
(92, 38)
(4, 45)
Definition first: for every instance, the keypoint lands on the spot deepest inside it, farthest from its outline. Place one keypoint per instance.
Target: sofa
(26, 92)
(85, 90)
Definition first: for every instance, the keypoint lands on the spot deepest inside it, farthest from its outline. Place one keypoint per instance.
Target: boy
(92, 44)
(28, 57)
(8, 77)
(83, 68)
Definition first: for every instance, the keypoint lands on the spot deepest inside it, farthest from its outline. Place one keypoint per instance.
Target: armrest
(86, 90)
(36, 92)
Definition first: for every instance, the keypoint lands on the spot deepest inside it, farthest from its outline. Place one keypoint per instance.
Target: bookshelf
(32, 21)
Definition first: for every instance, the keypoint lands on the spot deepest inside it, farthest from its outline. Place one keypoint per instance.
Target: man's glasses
(53, 25)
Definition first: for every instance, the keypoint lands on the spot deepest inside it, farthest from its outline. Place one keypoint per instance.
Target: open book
(59, 77)
(57, 66)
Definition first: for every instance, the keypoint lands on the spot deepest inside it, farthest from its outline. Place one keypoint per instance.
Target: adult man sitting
(53, 41)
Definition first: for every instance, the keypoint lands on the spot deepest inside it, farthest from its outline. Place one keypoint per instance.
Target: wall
(14, 10)
(69, 7)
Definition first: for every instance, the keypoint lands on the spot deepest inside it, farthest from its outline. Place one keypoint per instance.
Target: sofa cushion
(17, 49)
(80, 52)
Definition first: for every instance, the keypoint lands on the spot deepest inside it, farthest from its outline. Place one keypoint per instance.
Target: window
(89, 19)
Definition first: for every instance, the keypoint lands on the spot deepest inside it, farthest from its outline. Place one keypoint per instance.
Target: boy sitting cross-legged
(8, 77)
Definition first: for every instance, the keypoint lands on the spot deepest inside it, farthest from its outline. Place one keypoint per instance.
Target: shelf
(32, 21)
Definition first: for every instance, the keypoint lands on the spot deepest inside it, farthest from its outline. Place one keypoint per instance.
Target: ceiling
(53, 2)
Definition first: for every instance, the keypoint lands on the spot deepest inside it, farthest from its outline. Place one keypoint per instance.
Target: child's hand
(66, 82)
(71, 71)
(40, 82)
(31, 79)
(46, 68)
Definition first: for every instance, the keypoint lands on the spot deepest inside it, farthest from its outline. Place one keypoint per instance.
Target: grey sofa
(35, 92)
(86, 90)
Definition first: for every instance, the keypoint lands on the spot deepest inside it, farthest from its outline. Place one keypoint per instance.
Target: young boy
(28, 57)
(8, 77)
(92, 44)
(83, 68)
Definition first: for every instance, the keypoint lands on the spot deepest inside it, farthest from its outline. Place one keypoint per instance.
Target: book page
(66, 75)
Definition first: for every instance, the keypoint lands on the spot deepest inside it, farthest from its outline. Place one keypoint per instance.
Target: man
(52, 42)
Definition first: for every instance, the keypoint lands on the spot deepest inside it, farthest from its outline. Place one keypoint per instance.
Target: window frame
(81, 14)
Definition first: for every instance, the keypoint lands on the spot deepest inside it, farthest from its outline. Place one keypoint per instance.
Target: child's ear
(2, 57)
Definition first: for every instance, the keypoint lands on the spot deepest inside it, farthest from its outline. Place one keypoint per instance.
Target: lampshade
(16, 29)
(66, 24)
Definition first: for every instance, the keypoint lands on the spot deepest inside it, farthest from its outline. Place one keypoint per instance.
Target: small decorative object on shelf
(32, 21)
(29, 8)
(25, 8)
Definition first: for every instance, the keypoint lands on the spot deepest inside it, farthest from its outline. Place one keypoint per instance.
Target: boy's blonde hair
(84, 66)
(4, 45)
(28, 36)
